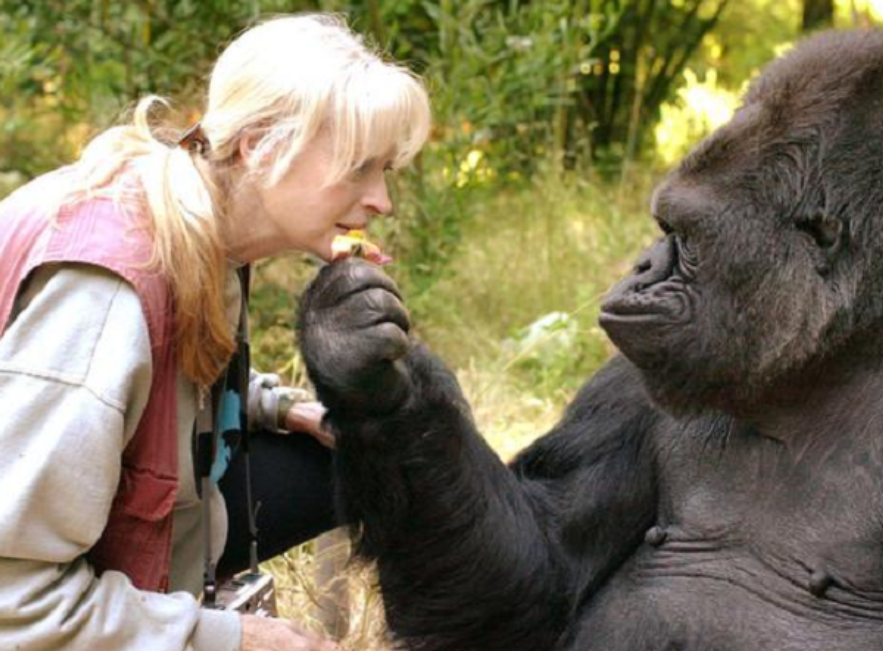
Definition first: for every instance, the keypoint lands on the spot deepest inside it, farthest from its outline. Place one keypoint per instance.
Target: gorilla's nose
(655, 265)
(631, 296)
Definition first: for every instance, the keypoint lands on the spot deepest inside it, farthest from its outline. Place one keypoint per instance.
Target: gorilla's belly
(722, 601)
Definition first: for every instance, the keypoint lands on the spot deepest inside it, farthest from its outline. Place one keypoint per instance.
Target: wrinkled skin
(719, 486)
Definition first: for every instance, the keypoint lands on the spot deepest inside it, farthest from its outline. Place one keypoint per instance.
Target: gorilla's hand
(354, 338)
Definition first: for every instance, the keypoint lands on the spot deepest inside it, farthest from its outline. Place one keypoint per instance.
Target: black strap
(235, 376)
(244, 374)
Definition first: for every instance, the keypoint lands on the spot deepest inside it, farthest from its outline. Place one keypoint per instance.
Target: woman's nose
(377, 198)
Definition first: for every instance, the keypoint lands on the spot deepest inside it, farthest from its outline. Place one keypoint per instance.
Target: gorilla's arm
(598, 465)
(472, 555)
(466, 553)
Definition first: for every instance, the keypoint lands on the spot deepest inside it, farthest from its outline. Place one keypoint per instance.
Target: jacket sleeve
(264, 398)
(75, 373)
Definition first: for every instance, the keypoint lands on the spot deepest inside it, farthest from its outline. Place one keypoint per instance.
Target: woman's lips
(346, 228)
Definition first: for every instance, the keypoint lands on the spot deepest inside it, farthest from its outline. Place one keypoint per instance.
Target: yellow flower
(356, 244)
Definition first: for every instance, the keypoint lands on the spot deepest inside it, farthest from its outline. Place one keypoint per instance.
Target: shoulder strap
(235, 378)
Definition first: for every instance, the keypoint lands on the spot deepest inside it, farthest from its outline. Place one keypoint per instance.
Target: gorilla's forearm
(466, 558)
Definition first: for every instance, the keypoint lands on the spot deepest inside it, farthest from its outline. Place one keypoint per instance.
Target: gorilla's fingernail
(655, 536)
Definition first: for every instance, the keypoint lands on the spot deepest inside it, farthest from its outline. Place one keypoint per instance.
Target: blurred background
(552, 122)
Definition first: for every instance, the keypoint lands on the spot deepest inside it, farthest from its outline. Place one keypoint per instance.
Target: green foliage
(437, 209)
(275, 290)
(71, 67)
(699, 108)
(749, 35)
(577, 82)
(519, 80)
(505, 76)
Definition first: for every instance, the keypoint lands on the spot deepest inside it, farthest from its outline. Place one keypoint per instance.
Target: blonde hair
(279, 83)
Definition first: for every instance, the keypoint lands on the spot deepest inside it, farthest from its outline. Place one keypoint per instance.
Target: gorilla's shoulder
(611, 410)
(616, 389)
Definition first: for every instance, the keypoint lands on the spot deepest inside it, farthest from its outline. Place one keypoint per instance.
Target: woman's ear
(248, 145)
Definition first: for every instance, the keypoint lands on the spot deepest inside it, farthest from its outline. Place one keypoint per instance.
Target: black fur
(721, 489)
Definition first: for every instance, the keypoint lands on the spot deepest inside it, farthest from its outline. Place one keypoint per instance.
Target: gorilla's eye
(664, 226)
(823, 230)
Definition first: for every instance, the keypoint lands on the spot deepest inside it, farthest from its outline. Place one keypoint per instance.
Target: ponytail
(187, 245)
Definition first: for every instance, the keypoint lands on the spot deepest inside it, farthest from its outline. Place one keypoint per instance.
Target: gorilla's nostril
(656, 265)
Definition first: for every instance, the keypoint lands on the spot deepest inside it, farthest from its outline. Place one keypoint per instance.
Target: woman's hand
(306, 417)
(264, 634)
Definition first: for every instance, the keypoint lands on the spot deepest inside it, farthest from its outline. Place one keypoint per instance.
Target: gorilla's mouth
(641, 311)
(665, 301)
(655, 292)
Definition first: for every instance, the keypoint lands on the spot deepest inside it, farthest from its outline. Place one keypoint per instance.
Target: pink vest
(138, 536)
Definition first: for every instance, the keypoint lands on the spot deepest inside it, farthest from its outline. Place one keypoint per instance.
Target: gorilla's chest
(734, 487)
(754, 547)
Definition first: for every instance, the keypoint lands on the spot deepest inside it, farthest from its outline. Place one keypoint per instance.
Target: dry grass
(348, 608)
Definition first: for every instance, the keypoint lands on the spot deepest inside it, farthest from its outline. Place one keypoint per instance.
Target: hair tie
(194, 140)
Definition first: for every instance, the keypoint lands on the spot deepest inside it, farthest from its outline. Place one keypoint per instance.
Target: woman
(119, 302)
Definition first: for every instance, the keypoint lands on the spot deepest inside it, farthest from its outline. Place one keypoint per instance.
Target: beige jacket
(60, 447)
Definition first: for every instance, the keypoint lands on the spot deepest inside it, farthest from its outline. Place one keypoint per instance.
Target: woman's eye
(362, 170)
(369, 167)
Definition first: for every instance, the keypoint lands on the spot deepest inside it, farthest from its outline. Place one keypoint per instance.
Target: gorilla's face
(769, 257)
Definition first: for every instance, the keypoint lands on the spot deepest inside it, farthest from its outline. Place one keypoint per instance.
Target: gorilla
(716, 487)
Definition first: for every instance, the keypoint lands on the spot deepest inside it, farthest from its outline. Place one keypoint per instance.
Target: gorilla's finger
(358, 275)
(338, 281)
(376, 306)
(390, 341)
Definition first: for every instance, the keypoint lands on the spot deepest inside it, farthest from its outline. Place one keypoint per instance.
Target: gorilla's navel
(655, 536)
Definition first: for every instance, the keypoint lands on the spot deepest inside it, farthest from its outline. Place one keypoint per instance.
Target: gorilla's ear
(827, 233)
(824, 230)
